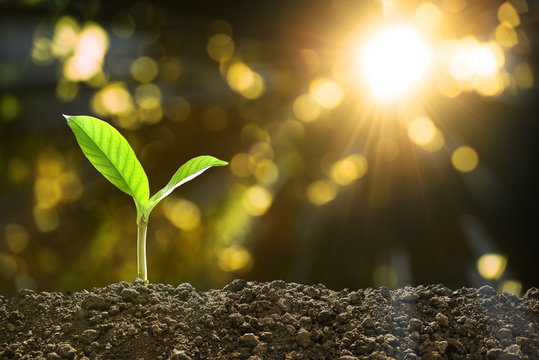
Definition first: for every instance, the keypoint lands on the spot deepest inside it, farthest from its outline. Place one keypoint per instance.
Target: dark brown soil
(276, 320)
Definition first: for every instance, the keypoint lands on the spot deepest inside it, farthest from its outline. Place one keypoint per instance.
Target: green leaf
(112, 156)
(186, 172)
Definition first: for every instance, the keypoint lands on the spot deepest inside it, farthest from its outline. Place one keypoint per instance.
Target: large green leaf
(112, 156)
(186, 172)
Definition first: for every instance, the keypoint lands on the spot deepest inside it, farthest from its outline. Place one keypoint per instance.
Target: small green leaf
(186, 172)
(112, 156)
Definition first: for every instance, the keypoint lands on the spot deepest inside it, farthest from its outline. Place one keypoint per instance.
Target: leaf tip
(220, 162)
(67, 117)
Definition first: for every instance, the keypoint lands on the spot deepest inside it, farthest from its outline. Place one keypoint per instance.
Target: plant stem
(141, 250)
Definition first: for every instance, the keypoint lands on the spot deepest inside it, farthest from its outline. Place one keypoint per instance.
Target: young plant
(112, 156)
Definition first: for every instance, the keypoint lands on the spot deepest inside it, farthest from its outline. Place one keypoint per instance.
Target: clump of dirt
(275, 320)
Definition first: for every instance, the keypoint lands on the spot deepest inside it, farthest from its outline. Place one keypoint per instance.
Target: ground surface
(274, 320)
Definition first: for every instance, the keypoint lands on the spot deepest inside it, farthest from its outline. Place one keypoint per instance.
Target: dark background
(413, 220)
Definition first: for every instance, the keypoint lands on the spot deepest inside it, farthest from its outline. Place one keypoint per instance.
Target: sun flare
(393, 61)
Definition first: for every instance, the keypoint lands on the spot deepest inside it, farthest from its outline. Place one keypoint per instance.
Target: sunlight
(114, 99)
(349, 169)
(474, 59)
(306, 108)
(321, 192)
(234, 258)
(257, 200)
(393, 61)
(326, 92)
(245, 81)
(465, 159)
(428, 17)
(90, 49)
(491, 266)
(512, 286)
(183, 214)
(421, 130)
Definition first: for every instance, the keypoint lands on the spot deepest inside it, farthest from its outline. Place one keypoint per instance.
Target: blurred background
(370, 142)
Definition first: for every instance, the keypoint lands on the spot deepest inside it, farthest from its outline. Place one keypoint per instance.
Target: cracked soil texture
(274, 320)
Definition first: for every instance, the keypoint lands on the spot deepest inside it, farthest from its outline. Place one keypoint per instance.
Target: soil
(275, 320)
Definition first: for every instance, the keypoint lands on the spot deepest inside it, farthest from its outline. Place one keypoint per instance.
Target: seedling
(113, 157)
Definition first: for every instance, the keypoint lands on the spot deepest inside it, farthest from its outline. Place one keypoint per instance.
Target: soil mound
(275, 320)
